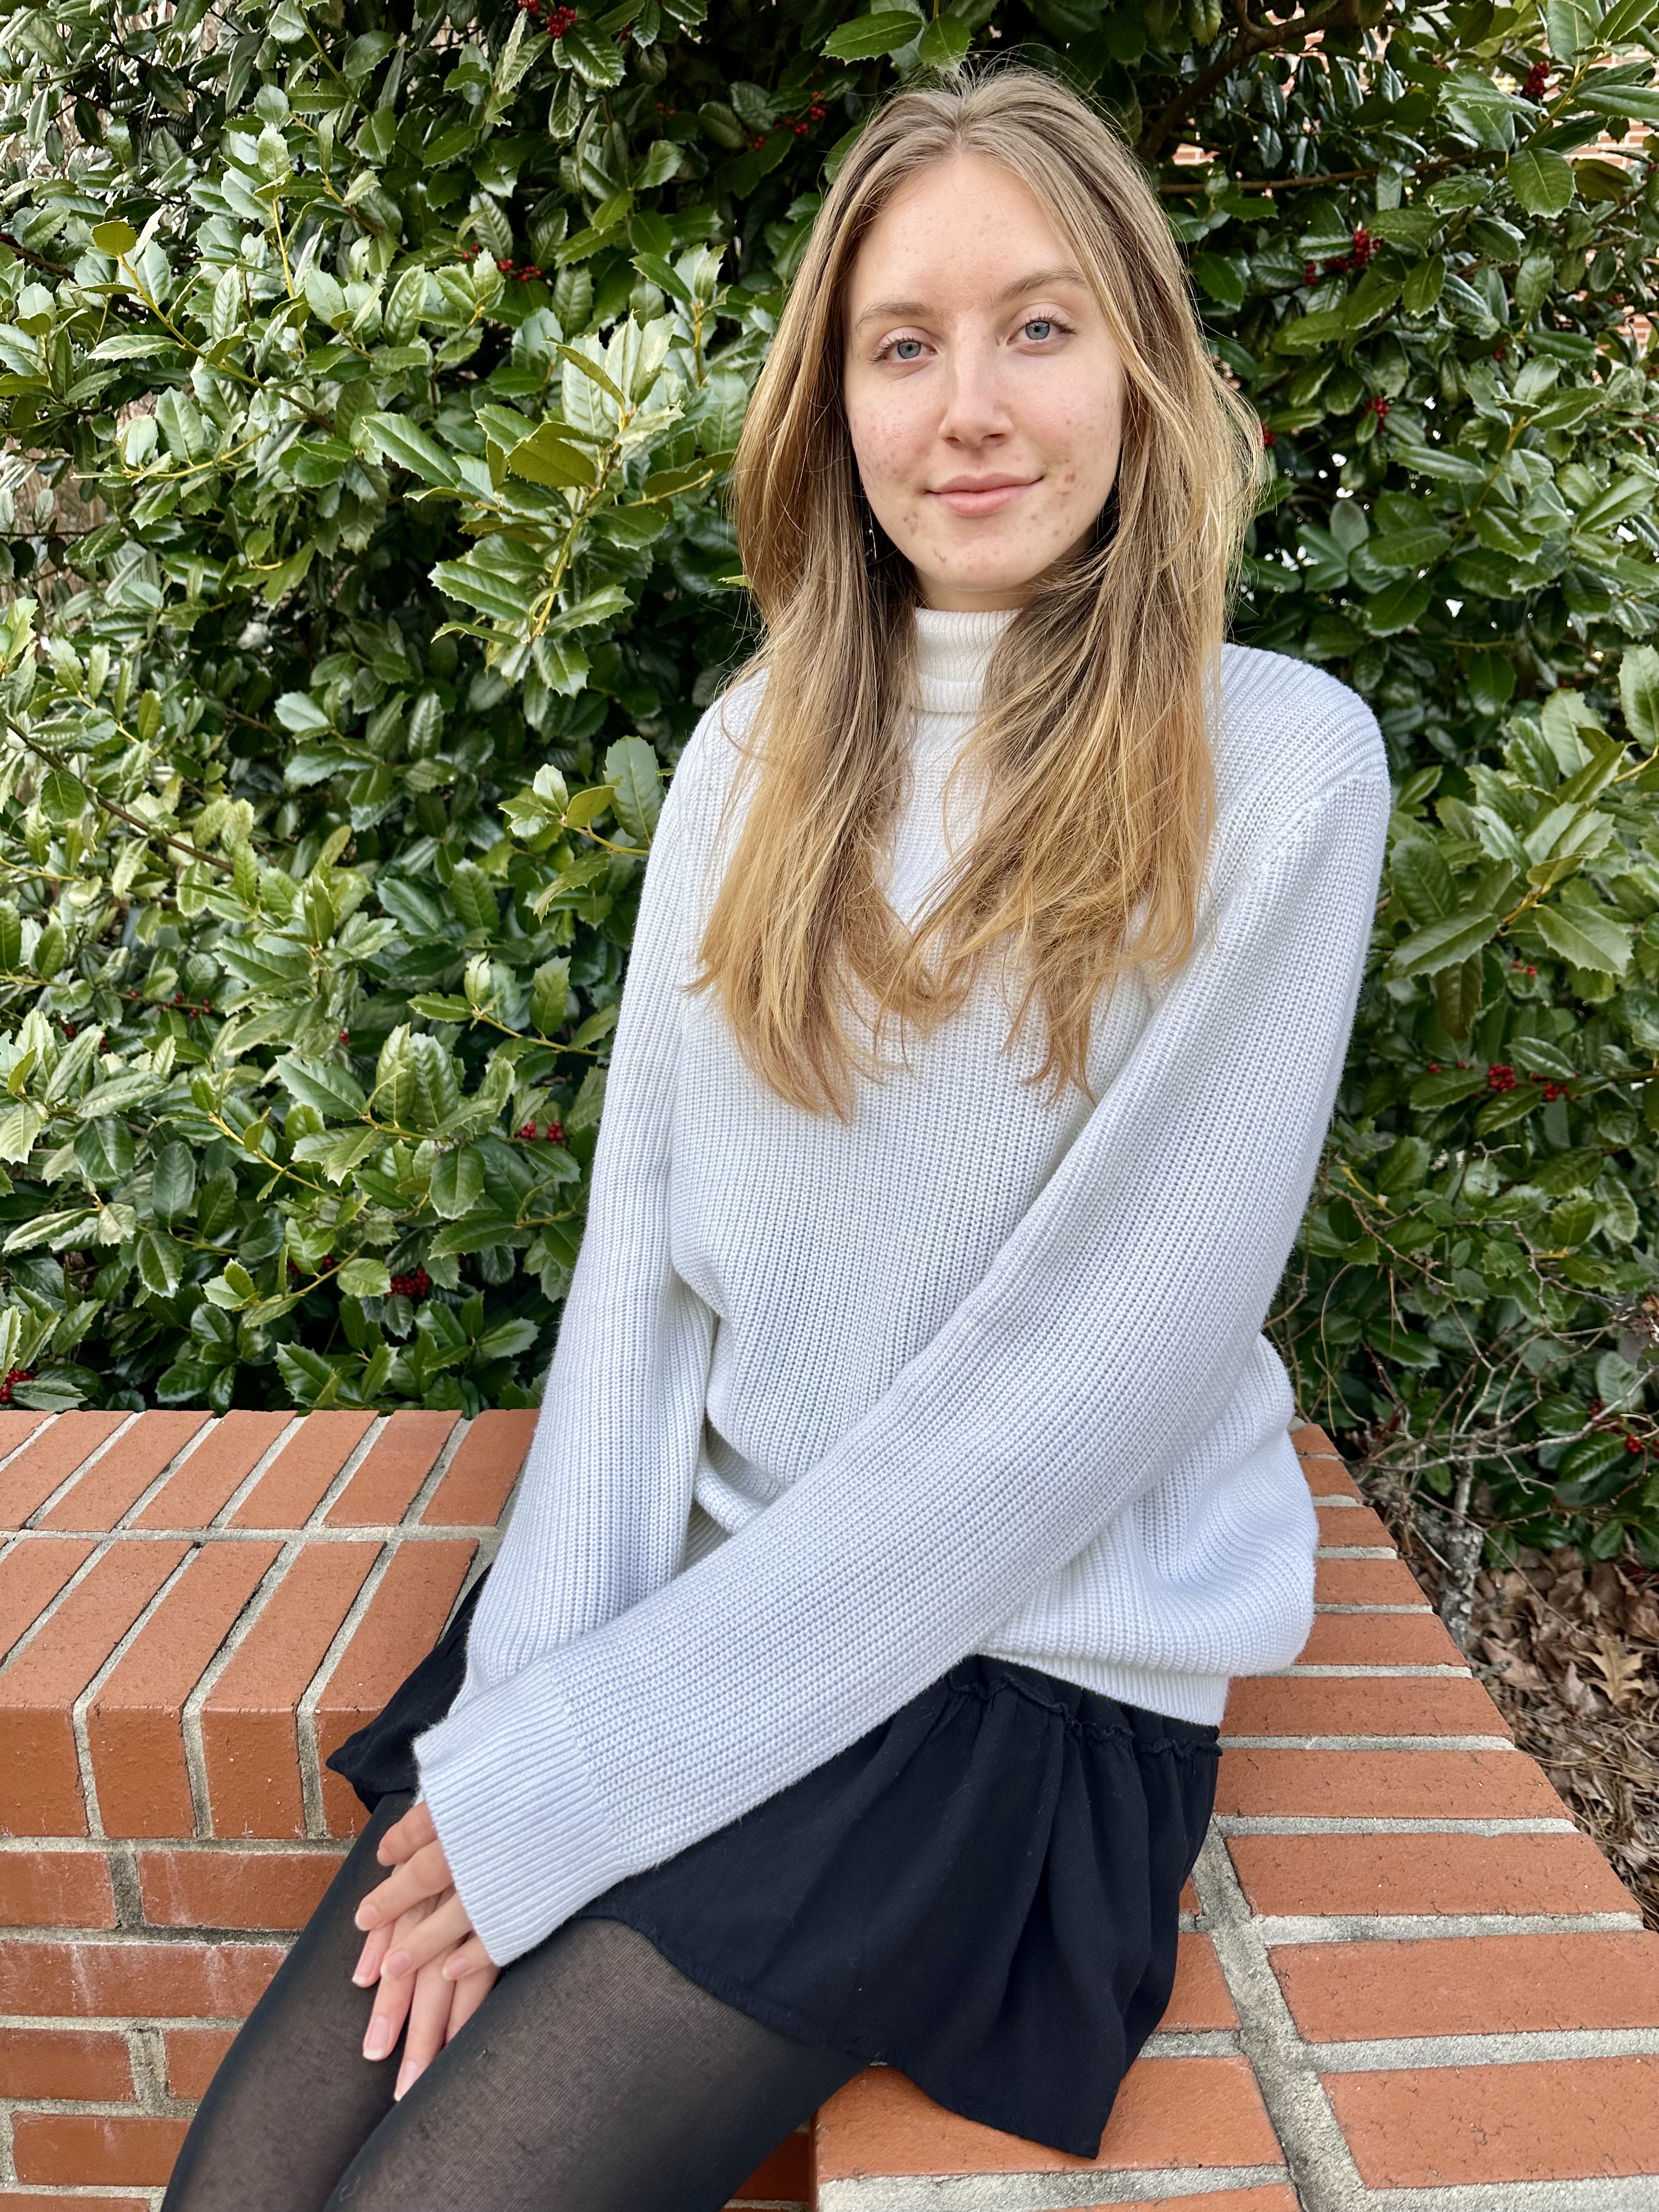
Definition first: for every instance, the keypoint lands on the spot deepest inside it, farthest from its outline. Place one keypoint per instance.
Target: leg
(287, 2111)
(593, 2078)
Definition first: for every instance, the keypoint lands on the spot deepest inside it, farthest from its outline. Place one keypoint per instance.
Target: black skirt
(982, 1892)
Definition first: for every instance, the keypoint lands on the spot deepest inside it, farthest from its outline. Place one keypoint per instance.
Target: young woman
(912, 1475)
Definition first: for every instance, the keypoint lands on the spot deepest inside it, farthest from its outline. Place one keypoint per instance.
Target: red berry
(345, 1036)
(1500, 1077)
(1537, 83)
(1434, 1067)
(556, 1133)
(1632, 1443)
(1309, 272)
(527, 1132)
(1268, 439)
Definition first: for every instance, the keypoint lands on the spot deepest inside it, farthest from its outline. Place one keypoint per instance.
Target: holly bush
(370, 380)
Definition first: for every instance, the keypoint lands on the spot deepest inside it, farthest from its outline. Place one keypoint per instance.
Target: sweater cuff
(528, 1838)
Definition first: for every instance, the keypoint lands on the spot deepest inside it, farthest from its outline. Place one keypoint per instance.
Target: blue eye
(1039, 322)
(897, 343)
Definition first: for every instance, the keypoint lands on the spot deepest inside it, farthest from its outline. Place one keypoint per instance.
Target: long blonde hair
(1091, 744)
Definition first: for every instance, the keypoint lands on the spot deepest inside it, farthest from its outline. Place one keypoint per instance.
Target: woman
(912, 1475)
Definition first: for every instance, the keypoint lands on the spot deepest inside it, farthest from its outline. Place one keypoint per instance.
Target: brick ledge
(1407, 1982)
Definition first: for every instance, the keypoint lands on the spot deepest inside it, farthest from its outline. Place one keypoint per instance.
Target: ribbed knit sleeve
(600, 1516)
(1104, 1339)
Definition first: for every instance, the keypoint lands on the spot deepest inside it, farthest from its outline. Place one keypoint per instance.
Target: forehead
(964, 225)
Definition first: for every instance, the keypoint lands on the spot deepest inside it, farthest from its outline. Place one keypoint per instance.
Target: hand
(432, 1968)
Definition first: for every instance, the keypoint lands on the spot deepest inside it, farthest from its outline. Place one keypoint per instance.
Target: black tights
(593, 2078)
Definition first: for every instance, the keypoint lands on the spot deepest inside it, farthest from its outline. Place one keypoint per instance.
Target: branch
(122, 813)
(1253, 40)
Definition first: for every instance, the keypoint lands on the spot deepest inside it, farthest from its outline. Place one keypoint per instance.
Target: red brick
(1329, 1478)
(55, 1889)
(1368, 1785)
(31, 1575)
(1200, 1999)
(1426, 1874)
(1169, 2113)
(192, 2055)
(42, 1785)
(292, 1487)
(50, 1460)
(26, 2200)
(89, 2064)
(210, 1477)
(135, 1725)
(1339, 1704)
(1564, 2119)
(125, 1472)
(1311, 1441)
(787, 2173)
(1189, 1898)
(234, 1889)
(1362, 1582)
(125, 1980)
(1348, 1525)
(89, 2148)
(399, 1460)
(404, 1618)
(1470, 1985)
(1379, 1639)
(476, 1481)
(249, 1737)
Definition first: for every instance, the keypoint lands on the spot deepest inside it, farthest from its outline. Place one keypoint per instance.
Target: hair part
(1091, 746)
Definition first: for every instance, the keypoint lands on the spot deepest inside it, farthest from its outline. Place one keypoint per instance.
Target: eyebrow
(1034, 281)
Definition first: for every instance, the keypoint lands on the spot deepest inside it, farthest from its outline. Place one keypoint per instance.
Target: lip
(982, 495)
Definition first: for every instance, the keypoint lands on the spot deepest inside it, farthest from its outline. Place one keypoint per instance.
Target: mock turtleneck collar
(952, 651)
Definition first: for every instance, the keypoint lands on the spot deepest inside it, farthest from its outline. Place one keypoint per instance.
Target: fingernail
(405, 2076)
(398, 1963)
(378, 2041)
(366, 1916)
(362, 1978)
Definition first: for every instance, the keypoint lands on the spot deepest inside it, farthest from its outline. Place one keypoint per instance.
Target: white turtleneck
(835, 1405)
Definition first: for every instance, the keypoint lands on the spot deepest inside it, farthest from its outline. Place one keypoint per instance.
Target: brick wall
(1407, 1983)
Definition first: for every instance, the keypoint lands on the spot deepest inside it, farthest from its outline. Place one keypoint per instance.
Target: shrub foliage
(371, 379)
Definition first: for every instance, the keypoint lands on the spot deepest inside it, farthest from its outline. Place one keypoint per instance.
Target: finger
(429, 2019)
(445, 1927)
(469, 1996)
(407, 1835)
(367, 1971)
(385, 2021)
(426, 1875)
(468, 1959)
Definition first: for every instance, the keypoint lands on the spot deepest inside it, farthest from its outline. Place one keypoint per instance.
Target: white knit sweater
(834, 1406)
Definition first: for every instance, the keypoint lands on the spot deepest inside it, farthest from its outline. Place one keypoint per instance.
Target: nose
(975, 405)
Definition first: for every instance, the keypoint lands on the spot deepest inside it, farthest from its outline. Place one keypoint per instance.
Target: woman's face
(984, 391)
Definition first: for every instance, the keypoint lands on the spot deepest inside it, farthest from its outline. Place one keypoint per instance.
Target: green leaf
(867, 38)
(550, 994)
(172, 1181)
(1541, 180)
(62, 796)
(104, 1151)
(114, 238)
(549, 456)
(1590, 937)
(333, 1090)
(364, 1279)
(458, 1182)
(631, 770)
(587, 807)
(395, 438)
(1638, 693)
(160, 1261)
(473, 897)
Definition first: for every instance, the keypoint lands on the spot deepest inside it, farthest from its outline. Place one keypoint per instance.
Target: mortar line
(435, 1474)
(261, 1465)
(78, 1709)
(190, 1445)
(359, 1451)
(305, 1711)
(1323, 2170)
(75, 1473)
(190, 1718)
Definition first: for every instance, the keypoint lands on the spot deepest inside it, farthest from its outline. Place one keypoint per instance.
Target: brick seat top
(1407, 1982)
